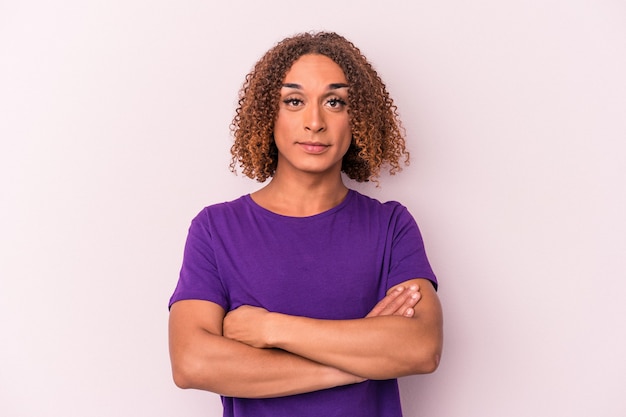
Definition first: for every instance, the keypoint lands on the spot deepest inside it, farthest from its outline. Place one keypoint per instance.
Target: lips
(313, 147)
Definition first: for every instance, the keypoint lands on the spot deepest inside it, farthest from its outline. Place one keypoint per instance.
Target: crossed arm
(253, 353)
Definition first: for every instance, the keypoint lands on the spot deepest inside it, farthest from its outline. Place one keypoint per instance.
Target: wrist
(272, 329)
(335, 377)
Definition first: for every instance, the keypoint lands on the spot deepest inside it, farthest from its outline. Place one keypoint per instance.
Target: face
(312, 130)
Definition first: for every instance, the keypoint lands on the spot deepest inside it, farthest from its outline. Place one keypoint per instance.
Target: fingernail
(400, 289)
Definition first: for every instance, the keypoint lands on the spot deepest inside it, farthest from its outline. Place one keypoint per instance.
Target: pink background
(114, 132)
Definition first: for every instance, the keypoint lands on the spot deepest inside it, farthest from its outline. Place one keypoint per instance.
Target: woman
(306, 298)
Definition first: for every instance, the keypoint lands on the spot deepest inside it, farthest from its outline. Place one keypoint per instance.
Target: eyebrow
(333, 86)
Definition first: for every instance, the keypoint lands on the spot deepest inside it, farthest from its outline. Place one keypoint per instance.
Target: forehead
(315, 66)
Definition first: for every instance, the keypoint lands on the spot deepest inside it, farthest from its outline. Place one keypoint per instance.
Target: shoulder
(392, 208)
(391, 216)
(223, 209)
(217, 217)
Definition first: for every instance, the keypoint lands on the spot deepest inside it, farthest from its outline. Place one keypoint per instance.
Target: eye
(292, 102)
(336, 103)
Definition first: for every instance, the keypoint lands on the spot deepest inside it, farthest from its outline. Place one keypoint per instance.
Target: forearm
(217, 364)
(374, 348)
(402, 335)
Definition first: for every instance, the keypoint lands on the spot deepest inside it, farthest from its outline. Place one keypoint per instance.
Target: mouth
(313, 147)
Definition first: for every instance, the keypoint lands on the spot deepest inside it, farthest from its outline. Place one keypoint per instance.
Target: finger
(397, 302)
(407, 308)
(383, 305)
(403, 305)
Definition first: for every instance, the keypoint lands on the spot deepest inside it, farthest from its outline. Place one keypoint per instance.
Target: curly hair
(377, 134)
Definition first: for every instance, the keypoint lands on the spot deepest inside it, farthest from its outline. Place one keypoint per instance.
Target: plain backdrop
(114, 128)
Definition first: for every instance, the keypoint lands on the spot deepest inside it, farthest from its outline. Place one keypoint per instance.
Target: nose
(314, 119)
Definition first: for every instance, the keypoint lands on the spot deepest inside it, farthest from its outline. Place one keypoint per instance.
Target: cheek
(347, 132)
(283, 124)
(279, 129)
(346, 140)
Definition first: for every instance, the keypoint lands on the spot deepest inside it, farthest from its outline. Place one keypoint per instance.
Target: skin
(312, 131)
(251, 352)
(359, 347)
(312, 134)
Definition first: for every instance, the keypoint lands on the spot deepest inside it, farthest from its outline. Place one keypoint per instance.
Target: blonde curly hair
(377, 134)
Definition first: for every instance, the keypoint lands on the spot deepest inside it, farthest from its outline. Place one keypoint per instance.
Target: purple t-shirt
(334, 265)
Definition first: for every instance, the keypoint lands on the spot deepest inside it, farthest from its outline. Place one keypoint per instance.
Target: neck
(301, 197)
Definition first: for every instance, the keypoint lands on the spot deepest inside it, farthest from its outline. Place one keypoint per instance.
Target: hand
(246, 324)
(399, 301)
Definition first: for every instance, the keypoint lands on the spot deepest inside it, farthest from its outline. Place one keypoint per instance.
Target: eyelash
(292, 101)
(337, 100)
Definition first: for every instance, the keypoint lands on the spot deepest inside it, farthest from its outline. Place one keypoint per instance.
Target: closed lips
(313, 147)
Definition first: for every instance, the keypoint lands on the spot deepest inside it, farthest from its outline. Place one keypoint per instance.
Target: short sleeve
(408, 258)
(199, 277)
